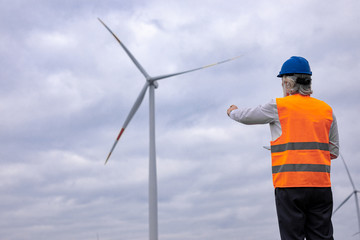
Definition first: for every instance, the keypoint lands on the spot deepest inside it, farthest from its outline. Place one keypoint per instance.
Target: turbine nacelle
(153, 82)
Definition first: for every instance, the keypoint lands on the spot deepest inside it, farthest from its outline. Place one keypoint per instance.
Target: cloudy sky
(67, 87)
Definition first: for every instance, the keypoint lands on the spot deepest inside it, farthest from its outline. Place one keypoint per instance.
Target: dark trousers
(304, 213)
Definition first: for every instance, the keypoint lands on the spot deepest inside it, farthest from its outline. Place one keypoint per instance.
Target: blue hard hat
(295, 65)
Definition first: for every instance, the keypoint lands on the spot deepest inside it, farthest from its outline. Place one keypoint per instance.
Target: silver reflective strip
(300, 146)
(301, 168)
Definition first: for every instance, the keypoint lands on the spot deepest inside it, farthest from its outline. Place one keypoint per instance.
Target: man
(304, 140)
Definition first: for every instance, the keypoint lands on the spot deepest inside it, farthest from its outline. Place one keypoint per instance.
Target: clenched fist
(232, 107)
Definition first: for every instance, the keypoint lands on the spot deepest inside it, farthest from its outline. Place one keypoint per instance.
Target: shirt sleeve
(261, 114)
(334, 139)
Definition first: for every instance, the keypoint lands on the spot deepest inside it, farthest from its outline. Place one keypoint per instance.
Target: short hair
(304, 88)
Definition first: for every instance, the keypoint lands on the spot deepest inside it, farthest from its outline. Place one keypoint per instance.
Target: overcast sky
(67, 87)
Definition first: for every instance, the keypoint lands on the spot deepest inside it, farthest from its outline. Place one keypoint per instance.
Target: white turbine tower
(354, 192)
(152, 85)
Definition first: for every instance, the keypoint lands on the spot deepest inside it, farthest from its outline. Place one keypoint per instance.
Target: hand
(232, 107)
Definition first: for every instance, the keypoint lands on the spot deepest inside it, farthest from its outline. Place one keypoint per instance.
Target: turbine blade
(343, 202)
(138, 65)
(192, 70)
(348, 172)
(114, 145)
(133, 110)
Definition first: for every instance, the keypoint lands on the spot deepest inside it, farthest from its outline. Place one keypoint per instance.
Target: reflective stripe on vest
(300, 146)
(301, 168)
(301, 156)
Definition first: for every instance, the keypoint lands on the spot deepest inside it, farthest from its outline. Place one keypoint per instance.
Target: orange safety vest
(301, 156)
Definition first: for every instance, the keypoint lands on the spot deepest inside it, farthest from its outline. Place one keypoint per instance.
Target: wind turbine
(151, 84)
(354, 192)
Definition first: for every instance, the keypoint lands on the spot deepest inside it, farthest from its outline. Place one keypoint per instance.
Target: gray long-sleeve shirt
(268, 113)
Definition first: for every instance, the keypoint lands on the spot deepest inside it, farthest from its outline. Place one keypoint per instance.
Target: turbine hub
(155, 84)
